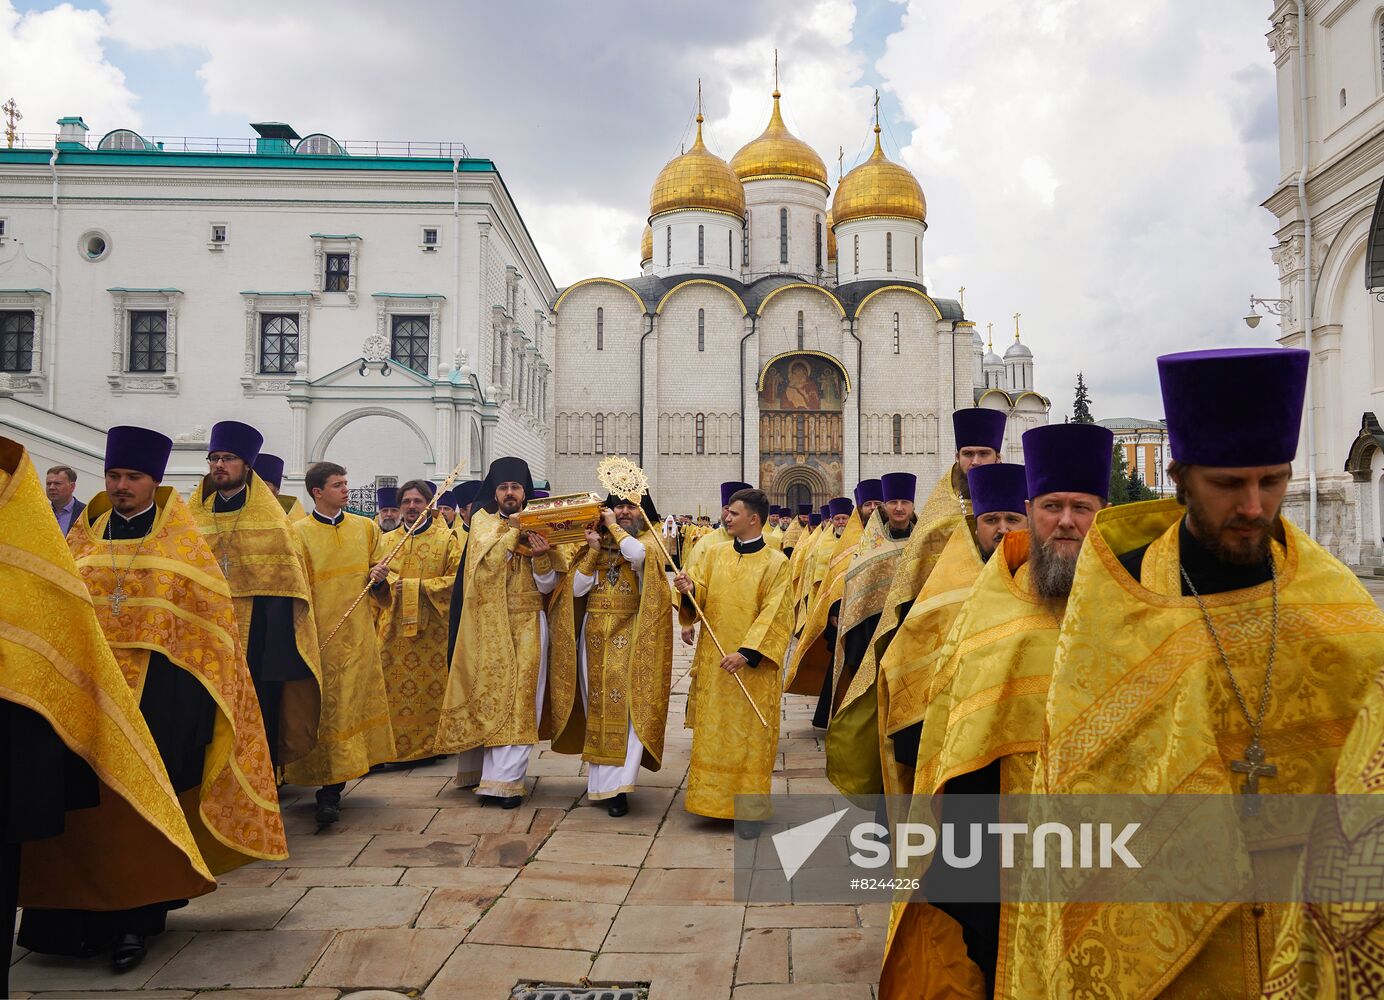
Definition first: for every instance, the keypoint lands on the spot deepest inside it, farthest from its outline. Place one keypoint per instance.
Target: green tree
(1137, 490)
(1081, 409)
(1119, 477)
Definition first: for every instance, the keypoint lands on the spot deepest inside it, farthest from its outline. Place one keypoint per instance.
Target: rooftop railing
(434, 149)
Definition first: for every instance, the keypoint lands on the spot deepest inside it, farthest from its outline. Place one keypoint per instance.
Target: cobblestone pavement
(419, 890)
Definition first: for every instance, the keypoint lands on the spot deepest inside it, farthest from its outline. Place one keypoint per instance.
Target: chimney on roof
(274, 137)
(72, 132)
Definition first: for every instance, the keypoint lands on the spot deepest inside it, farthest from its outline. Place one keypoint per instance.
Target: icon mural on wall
(802, 382)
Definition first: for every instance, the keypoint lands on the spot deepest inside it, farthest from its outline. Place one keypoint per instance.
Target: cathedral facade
(779, 333)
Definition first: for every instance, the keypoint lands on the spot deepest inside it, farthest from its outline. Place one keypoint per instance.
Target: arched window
(898, 433)
(800, 329)
(819, 242)
(701, 329)
(857, 253)
(783, 236)
(745, 243)
(701, 433)
(896, 333)
(701, 244)
(600, 328)
(668, 246)
(889, 251)
(600, 434)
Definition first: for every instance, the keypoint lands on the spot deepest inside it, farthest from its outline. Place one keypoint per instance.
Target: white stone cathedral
(778, 335)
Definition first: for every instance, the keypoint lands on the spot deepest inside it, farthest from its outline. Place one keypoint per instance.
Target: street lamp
(1274, 307)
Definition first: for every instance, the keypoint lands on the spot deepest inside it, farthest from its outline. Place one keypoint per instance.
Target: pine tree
(1119, 477)
(1137, 490)
(1081, 409)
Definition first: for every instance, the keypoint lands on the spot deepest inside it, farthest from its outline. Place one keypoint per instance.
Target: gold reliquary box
(561, 519)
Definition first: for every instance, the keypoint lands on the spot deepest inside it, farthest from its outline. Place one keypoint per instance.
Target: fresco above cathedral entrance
(801, 396)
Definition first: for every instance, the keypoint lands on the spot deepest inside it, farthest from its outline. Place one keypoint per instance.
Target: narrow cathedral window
(16, 341)
(701, 329)
(148, 341)
(889, 251)
(745, 243)
(600, 328)
(600, 434)
(800, 329)
(701, 433)
(898, 434)
(819, 242)
(915, 256)
(701, 244)
(783, 236)
(857, 253)
(896, 333)
(730, 248)
(668, 246)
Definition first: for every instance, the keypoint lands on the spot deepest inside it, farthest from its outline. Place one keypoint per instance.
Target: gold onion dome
(779, 153)
(646, 245)
(697, 179)
(878, 188)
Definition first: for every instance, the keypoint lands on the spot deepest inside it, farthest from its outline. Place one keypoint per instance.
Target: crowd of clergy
(173, 661)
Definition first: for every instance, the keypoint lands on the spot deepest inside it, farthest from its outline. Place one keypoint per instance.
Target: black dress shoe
(327, 813)
(511, 801)
(129, 952)
(619, 806)
(748, 829)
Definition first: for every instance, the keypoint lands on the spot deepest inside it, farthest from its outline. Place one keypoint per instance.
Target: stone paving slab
(419, 889)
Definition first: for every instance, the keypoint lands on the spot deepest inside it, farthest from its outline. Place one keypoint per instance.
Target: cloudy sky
(1095, 166)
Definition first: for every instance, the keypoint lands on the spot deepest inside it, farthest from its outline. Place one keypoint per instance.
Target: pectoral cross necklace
(221, 546)
(118, 596)
(1254, 765)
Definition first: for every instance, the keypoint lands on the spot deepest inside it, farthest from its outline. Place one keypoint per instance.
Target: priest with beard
(620, 599)
(262, 558)
(414, 605)
(168, 617)
(983, 725)
(499, 641)
(387, 508)
(1211, 645)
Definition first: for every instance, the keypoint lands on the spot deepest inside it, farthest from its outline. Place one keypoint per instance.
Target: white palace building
(381, 304)
(779, 333)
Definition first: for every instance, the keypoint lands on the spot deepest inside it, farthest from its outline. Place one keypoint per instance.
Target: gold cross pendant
(1253, 767)
(117, 599)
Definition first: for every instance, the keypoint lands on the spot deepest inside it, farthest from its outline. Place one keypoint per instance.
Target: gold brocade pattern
(746, 598)
(265, 557)
(354, 733)
(178, 604)
(852, 743)
(793, 534)
(57, 663)
(412, 631)
(1140, 704)
(293, 508)
(629, 659)
(812, 656)
(493, 682)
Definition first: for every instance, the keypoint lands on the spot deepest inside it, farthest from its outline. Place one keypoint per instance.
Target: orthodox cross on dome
(12, 117)
(776, 89)
(990, 335)
(961, 294)
(876, 110)
(840, 163)
(1016, 326)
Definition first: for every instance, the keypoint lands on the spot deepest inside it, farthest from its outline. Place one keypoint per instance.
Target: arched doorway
(801, 396)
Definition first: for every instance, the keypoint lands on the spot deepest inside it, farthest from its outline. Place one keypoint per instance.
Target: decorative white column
(850, 412)
(749, 407)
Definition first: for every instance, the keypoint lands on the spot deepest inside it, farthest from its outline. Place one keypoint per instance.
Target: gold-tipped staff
(409, 533)
(628, 481)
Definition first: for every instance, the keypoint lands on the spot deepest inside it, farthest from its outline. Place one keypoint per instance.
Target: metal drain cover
(545, 991)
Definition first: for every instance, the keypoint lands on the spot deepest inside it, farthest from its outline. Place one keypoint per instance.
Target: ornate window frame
(379, 346)
(252, 382)
(34, 300)
(123, 302)
(325, 243)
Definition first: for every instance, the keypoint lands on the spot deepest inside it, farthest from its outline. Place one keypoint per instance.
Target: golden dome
(697, 179)
(831, 238)
(646, 245)
(779, 153)
(878, 187)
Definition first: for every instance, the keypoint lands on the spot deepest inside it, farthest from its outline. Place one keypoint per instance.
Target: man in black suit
(61, 482)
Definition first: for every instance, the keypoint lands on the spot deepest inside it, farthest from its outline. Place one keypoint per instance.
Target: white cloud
(53, 64)
(1092, 166)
